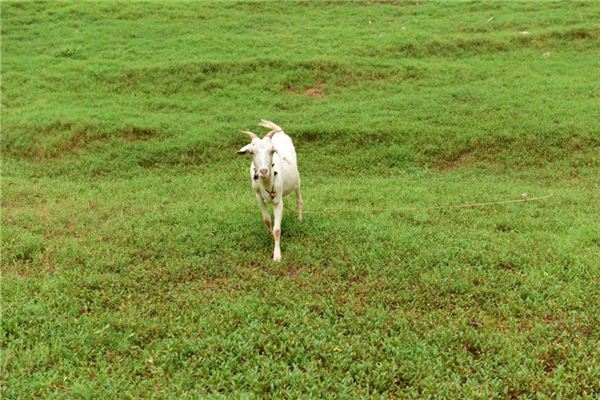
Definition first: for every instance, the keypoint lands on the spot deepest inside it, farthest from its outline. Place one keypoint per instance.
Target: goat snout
(263, 172)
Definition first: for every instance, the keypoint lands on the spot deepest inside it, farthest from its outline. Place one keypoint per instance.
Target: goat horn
(252, 135)
(268, 124)
(272, 132)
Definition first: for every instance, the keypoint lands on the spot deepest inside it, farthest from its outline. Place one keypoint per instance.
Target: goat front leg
(265, 213)
(278, 213)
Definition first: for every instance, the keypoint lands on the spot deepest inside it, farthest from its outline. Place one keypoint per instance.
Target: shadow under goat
(274, 174)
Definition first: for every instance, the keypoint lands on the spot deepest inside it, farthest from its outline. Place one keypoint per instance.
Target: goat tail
(269, 125)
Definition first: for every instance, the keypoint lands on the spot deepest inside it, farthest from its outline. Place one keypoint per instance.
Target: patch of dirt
(551, 359)
(549, 367)
(294, 272)
(473, 349)
(506, 265)
(502, 227)
(136, 134)
(462, 160)
(47, 261)
(314, 92)
(586, 331)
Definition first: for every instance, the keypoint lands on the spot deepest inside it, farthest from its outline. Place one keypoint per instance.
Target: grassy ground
(134, 260)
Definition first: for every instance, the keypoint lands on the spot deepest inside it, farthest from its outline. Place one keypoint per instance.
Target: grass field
(134, 259)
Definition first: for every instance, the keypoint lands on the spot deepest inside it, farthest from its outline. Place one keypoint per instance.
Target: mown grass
(134, 262)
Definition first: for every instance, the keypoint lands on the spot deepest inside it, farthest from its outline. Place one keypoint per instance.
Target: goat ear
(244, 150)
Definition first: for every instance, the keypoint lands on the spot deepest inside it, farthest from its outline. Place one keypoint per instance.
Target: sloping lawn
(134, 260)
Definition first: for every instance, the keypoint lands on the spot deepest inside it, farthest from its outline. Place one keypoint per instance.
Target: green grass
(134, 260)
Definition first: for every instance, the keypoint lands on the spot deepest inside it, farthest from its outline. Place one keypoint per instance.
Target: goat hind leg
(299, 203)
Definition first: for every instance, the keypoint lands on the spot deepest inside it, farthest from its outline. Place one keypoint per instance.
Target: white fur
(276, 154)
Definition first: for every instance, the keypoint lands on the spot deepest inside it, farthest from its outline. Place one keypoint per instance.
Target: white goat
(274, 174)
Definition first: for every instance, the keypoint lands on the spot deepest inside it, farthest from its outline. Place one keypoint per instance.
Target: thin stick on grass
(524, 199)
